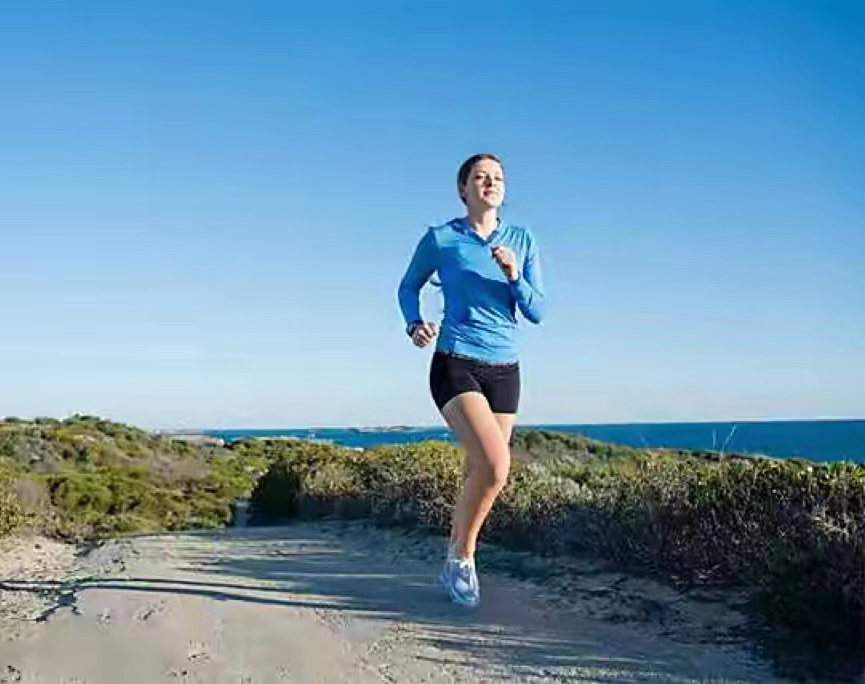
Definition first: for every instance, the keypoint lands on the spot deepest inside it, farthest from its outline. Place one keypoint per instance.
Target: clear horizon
(433, 426)
(533, 424)
(206, 208)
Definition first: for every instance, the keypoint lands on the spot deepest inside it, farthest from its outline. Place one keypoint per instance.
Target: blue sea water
(818, 440)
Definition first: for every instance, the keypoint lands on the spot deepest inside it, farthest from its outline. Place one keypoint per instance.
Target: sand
(345, 602)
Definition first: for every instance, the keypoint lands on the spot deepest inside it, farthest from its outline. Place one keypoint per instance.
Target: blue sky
(206, 207)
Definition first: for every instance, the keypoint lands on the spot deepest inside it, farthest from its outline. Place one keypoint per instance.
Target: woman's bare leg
(485, 437)
(506, 424)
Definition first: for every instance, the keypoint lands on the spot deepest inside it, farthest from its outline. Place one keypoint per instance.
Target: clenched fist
(424, 334)
(507, 262)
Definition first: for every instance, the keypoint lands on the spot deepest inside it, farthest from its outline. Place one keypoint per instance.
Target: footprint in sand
(147, 612)
(332, 619)
(197, 653)
(9, 675)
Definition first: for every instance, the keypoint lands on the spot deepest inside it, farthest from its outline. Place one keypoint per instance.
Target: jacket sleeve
(420, 268)
(528, 288)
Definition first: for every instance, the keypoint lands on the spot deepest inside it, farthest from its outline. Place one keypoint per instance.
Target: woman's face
(485, 187)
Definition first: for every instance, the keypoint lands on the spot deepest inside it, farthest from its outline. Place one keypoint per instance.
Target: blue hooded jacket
(480, 314)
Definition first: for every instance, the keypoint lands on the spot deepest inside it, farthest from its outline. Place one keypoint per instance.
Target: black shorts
(499, 382)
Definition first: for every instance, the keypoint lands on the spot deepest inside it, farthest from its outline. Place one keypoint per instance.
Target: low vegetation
(790, 532)
(87, 478)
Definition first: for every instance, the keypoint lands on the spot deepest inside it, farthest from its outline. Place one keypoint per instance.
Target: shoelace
(464, 572)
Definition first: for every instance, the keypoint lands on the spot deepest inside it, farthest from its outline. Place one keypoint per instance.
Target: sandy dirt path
(346, 602)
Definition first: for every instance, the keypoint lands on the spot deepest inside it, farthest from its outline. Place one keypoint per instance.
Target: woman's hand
(424, 334)
(507, 262)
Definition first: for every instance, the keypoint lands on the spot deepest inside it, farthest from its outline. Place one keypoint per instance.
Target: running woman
(488, 270)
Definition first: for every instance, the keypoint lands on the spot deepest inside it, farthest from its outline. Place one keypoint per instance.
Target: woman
(488, 270)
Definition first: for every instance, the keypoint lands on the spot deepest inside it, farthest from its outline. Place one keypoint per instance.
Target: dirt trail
(346, 602)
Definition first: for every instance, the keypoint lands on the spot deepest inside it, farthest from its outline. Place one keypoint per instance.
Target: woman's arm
(420, 268)
(528, 288)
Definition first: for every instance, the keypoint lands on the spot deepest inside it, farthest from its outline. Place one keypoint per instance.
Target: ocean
(817, 440)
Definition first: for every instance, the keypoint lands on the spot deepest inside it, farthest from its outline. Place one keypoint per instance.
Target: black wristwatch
(410, 328)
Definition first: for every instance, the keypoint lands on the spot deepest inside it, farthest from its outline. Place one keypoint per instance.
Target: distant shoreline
(818, 440)
(524, 426)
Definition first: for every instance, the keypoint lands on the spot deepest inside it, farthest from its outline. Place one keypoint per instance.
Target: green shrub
(86, 477)
(547, 446)
(11, 515)
(790, 531)
(303, 477)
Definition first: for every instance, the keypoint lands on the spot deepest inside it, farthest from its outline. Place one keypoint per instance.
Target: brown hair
(467, 166)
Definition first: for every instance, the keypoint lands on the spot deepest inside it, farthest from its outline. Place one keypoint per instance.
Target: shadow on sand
(293, 567)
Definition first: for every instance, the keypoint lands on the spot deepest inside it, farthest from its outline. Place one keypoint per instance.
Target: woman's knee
(499, 474)
(493, 468)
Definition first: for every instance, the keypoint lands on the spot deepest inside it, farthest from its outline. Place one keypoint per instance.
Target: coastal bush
(86, 477)
(791, 532)
(399, 484)
(549, 446)
(11, 515)
(247, 460)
